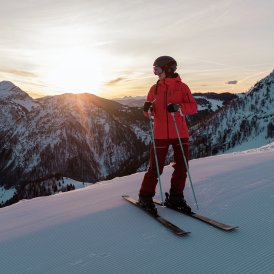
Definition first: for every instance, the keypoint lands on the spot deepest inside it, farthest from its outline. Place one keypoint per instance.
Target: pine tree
(270, 130)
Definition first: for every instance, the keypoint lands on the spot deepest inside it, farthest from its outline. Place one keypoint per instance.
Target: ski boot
(178, 202)
(146, 203)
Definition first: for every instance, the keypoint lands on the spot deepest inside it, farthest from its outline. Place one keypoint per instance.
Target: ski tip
(185, 233)
(232, 228)
(125, 195)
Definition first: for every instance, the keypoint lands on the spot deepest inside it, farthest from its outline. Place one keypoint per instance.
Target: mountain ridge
(80, 136)
(242, 120)
(89, 138)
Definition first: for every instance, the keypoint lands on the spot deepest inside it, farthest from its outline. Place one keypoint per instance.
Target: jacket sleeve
(189, 105)
(150, 98)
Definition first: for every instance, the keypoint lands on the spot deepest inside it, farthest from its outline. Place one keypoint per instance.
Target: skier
(168, 95)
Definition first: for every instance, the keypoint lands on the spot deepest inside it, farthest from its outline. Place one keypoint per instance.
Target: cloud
(233, 82)
(17, 72)
(115, 81)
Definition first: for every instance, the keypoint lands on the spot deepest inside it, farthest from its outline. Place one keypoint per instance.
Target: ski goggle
(157, 70)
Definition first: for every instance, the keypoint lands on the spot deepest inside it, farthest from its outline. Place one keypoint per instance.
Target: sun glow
(75, 70)
(71, 59)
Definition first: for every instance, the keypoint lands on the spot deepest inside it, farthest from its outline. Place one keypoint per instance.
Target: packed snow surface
(93, 230)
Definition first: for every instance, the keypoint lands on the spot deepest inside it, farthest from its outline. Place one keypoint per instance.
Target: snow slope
(93, 230)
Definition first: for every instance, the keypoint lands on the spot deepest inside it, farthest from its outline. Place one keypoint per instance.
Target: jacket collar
(170, 81)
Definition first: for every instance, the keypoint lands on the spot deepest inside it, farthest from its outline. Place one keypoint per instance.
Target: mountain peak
(269, 78)
(266, 81)
(8, 89)
(6, 85)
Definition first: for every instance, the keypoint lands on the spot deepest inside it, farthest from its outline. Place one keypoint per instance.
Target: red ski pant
(178, 178)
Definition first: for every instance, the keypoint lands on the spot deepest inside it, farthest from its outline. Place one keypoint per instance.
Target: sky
(107, 48)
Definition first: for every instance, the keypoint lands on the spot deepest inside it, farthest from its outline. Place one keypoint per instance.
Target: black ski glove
(173, 107)
(147, 106)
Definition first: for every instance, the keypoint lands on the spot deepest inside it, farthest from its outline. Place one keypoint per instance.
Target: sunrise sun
(75, 70)
(72, 61)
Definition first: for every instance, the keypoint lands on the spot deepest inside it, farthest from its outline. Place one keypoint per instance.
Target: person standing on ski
(168, 95)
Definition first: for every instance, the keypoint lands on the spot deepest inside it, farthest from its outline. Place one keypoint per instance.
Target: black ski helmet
(163, 61)
(167, 64)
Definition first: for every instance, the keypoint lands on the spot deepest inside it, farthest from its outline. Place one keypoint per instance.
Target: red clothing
(170, 90)
(178, 179)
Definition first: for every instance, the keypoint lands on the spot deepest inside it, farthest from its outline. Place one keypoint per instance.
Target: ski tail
(197, 216)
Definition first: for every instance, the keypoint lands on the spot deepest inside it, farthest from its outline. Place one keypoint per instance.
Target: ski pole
(155, 154)
(184, 157)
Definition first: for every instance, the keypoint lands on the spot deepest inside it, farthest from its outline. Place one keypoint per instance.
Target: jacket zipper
(165, 107)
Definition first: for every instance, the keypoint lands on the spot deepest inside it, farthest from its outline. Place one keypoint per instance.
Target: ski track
(93, 230)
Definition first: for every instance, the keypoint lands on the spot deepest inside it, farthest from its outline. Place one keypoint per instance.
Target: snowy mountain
(131, 101)
(93, 230)
(208, 103)
(89, 139)
(245, 122)
(82, 136)
(213, 101)
(14, 105)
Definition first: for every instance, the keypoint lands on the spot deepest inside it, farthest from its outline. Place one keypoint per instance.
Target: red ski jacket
(170, 90)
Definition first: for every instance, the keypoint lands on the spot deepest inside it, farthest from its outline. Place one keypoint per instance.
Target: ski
(175, 229)
(202, 218)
